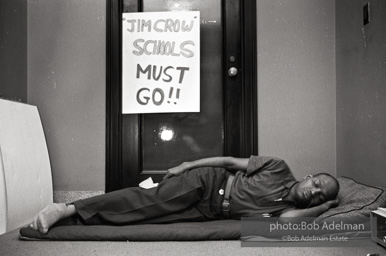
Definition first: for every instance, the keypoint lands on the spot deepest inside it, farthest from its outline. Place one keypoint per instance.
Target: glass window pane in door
(172, 138)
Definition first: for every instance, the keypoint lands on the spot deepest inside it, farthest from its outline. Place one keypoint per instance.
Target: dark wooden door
(146, 145)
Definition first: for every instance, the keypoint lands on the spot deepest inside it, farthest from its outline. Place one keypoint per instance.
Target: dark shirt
(259, 191)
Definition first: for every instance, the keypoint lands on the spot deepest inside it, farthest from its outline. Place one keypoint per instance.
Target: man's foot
(50, 215)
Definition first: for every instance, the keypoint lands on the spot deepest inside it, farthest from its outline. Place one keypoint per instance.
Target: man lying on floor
(202, 190)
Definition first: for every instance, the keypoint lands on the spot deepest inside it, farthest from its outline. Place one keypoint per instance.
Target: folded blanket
(186, 231)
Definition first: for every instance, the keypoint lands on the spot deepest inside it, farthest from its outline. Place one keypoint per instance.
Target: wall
(361, 91)
(296, 83)
(13, 50)
(66, 80)
(296, 72)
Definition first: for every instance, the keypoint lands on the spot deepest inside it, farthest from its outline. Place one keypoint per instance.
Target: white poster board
(25, 178)
(160, 62)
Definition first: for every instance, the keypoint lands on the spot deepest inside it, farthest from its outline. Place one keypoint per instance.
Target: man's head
(316, 189)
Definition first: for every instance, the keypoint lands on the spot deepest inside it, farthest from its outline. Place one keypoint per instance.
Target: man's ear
(308, 176)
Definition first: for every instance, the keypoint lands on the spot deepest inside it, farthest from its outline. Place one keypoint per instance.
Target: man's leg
(181, 198)
(172, 200)
(51, 215)
(136, 204)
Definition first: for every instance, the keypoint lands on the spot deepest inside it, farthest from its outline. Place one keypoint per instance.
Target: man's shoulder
(266, 163)
(267, 158)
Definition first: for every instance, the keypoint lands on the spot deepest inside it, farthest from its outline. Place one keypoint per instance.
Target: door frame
(240, 134)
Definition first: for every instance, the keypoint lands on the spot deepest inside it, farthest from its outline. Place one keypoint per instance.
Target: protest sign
(160, 62)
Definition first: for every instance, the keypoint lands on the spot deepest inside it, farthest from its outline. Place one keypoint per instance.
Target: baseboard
(71, 196)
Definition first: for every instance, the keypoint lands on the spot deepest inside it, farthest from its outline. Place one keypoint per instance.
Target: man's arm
(228, 162)
(310, 212)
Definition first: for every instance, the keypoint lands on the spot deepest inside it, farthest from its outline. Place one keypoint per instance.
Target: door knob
(232, 72)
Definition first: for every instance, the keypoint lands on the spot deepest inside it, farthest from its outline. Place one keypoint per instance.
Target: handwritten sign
(160, 62)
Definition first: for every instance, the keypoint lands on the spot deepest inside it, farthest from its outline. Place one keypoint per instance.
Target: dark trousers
(192, 196)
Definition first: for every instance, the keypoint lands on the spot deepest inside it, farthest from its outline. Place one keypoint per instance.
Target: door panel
(139, 146)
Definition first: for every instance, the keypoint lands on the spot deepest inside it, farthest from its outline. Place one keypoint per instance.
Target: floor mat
(186, 231)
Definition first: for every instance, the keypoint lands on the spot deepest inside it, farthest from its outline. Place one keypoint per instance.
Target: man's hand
(332, 203)
(176, 170)
(311, 212)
